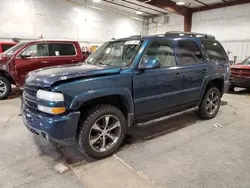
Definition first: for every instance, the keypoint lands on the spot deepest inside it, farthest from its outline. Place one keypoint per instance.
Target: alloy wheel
(212, 102)
(104, 133)
(3, 88)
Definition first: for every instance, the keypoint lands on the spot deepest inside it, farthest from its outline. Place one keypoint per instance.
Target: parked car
(6, 45)
(125, 81)
(240, 75)
(18, 61)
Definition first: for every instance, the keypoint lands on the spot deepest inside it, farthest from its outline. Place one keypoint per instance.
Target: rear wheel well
(219, 83)
(8, 76)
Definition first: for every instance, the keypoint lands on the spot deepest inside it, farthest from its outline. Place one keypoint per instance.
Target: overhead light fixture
(96, 1)
(97, 8)
(137, 18)
(180, 3)
(139, 12)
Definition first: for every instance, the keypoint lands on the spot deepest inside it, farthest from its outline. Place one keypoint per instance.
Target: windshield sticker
(57, 53)
(136, 42)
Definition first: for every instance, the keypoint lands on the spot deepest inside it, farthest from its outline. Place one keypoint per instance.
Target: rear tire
(231, 88)
(210, 103)
(5, 87)
(101, 132)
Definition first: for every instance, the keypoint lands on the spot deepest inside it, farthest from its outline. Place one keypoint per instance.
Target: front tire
(102, 131)
(210, 103)
(5, 87)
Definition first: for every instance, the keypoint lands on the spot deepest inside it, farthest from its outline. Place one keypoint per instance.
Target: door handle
(177, 75)
(45, 62)
(204, 70)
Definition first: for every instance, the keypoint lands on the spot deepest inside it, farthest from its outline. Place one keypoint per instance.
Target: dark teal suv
(92, 104)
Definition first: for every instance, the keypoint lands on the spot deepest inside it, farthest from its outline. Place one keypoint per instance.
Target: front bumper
(240, 81)
(61, 129)
(226, 86)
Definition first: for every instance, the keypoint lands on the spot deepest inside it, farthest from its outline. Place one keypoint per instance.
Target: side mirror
(23, 56)
(150, 63)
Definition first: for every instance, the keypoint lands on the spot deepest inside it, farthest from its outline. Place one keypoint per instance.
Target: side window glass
(190, 53)
(163, 50)
(62, 50)
(6, 47)
(37, 50)
(214, 50)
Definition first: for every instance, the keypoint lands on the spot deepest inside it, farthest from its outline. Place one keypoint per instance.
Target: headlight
(49, 96)
(53, 97)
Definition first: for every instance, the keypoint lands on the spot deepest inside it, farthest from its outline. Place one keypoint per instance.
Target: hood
(241, 66)
(48, 76)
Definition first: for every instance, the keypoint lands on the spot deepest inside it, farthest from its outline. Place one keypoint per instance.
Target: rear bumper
(61, 129)
(240, 81)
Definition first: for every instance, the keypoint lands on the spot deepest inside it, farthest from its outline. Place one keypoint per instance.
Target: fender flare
(9, 75)
(206, 82)
(86, 96)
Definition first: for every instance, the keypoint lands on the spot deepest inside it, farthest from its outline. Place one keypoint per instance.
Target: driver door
(35, 56)
(158, 89)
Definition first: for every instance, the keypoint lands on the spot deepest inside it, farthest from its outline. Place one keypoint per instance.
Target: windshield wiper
(101, 63)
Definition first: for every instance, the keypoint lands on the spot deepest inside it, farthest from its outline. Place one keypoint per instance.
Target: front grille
(30, 97)
(240, 72)
(31, 104)
(31, 91)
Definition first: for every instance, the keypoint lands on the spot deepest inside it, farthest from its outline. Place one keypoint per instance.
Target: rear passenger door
(62, 53)
(194, 69)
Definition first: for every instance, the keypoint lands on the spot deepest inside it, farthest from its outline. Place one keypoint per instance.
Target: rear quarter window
(214, 50)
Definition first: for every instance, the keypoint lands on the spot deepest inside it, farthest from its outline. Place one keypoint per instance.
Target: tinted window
(37, 50)
(190, 53)
(115, 53)
(6, 46)
(62, 50)
(214, 50)
(14, 48)
(162, 50)
(246, 61)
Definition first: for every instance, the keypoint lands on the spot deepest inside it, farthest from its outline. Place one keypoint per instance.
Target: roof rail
(135, 36)
(190, 34)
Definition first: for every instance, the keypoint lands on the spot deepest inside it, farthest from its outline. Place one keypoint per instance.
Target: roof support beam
(201, 2)
(188, 21)
(221, 5)
(169, 6)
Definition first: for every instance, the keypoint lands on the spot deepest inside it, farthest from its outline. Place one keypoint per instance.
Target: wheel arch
(123, 95)
(217, 81)
(7, 75)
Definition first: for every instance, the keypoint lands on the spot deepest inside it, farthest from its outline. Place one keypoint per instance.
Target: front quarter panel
(78, 92)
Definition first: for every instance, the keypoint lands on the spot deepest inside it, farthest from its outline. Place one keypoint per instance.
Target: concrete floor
(180, 151)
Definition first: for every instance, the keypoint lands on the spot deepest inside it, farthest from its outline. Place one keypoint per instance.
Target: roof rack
(135, 36)
(190, 34)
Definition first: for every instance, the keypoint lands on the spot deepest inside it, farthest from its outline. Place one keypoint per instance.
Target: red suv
(6, 45)
(18, 61)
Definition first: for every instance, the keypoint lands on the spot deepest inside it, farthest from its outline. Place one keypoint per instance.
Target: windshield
(14, 48)
(117, 53)
(246, 61)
